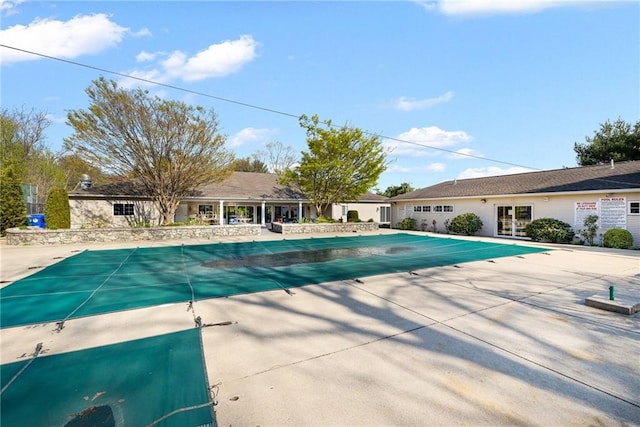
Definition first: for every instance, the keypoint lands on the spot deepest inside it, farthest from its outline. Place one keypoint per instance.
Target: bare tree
(277, 156)
(168, 147)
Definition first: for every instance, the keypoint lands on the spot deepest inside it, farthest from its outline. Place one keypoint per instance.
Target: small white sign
(583, 210)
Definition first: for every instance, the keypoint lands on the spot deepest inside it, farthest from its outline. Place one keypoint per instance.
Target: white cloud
(143, 32)
(56, 119)
(491, 7)
(9, 7)
(145, 56)
(491, 171)
(217, 60)
(250, 135)
(430, 167)
(405, 104)
(465, 153)
(421, 141)
(150, 75)
(81, 35)
(472, 7)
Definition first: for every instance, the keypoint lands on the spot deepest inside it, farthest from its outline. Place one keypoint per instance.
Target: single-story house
(244, 197)
(507, 203)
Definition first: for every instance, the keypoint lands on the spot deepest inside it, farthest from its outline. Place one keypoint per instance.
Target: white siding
(558, 206)
(366, 211)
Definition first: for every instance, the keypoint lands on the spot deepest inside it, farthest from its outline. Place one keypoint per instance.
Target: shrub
(352, 216)
(56, 211)
(321, 219)
(618, 238)
(408, 224)
(549, 230)
(466, 223)
(97, 223)
(591, 227)
(13, 211)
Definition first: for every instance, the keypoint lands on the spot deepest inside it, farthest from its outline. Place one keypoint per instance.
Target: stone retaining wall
(34, 236)
(323, 227)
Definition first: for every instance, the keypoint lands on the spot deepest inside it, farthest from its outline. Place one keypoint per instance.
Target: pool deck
(508, 341)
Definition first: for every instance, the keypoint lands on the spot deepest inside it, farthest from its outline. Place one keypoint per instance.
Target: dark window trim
(123, 209)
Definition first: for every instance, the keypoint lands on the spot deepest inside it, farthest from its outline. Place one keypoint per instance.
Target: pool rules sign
(611, 213)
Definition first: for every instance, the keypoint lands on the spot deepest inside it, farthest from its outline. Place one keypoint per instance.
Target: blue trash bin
(37, 220)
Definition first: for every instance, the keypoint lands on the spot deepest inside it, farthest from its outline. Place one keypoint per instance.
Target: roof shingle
(623, 175)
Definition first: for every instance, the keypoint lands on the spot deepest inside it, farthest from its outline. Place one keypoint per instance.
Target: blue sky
(512, 83)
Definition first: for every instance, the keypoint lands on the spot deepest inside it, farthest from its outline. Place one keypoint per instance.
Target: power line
(151, 82)
(245, 104)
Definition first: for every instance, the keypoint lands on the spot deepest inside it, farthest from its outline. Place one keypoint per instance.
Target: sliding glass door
(512, 220)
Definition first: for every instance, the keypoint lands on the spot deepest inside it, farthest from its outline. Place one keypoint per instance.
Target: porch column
(264, 212)
(221, 212)
(300, 211)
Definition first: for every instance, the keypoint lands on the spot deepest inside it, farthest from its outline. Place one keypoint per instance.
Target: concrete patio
(508, 341)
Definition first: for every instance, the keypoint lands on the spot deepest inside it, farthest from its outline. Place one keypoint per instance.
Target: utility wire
(257, 107)
(151, 82)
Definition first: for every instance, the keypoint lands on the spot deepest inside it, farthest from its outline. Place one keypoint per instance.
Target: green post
(612, 294)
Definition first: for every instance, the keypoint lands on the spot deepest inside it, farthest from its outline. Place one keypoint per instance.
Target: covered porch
(229, 212)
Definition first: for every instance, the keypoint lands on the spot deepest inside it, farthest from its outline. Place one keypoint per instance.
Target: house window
(205, 209)
(385, 214)
(417, 208)
(345, 210)
(426, 208)
(443, 208)
(634, 208)
(123, 209)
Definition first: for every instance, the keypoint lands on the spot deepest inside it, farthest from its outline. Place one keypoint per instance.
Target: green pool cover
(104, 281)
(157, 381)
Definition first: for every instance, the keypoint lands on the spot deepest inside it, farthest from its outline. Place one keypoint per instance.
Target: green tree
(168, 147)
(44, 172)
(396, 190)
(618, 141)
(23, 146)
(29, 127)
(57, 213)
(341, 165)
(248, 165)
(75, 167)
(13, 211)
(11, 152)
